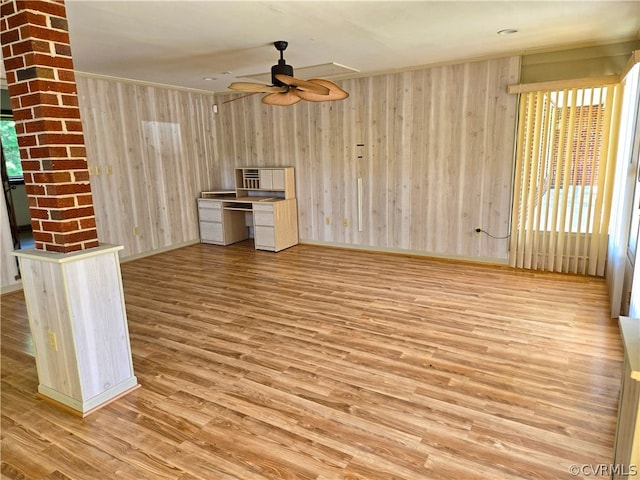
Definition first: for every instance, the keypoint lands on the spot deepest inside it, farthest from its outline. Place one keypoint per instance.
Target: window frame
(13, 179)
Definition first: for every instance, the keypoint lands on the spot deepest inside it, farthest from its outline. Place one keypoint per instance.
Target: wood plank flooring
(321, 363)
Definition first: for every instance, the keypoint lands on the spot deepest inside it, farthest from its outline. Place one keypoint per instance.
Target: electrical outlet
(345, 222)
(328, 220)
(136, 232)
(53, 341)
(478, 231)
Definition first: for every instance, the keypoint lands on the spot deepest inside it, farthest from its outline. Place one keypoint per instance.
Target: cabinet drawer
(211, 232)
(210, 215)
(209, 203)
(263, 218)
(263, 207)
(264, 237)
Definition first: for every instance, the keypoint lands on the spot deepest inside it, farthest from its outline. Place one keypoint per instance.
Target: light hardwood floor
(320, 363)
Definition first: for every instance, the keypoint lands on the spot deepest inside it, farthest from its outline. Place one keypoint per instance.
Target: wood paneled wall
(150, 152)
(433, 147)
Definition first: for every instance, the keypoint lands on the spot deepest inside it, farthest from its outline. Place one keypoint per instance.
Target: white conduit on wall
(360, 225)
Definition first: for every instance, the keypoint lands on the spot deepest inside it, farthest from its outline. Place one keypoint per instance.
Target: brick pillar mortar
(44, 100)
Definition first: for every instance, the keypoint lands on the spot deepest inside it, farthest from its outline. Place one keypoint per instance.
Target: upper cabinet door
(278, 181)
(266, 179)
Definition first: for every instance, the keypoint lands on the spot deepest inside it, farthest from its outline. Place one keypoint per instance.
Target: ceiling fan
(287, 90)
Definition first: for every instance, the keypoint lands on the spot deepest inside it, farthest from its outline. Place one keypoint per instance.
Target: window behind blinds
(563, 181)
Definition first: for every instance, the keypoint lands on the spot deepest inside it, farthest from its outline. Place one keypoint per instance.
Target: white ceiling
(180, 42)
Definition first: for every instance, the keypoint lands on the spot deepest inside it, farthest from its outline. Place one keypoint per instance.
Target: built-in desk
(263, 203)
(627, 444)
(228, 219)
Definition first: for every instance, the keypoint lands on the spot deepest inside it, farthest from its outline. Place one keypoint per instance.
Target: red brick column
(42, 87)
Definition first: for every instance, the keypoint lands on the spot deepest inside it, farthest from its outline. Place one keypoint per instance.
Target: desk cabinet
(220, 226)
(275, 224)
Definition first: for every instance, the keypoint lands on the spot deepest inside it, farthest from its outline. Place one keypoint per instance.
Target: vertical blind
(565, 163)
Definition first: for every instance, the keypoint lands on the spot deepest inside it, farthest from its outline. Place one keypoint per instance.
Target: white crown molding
(140, 82)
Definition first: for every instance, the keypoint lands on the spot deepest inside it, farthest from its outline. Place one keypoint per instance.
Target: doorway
(13, 186)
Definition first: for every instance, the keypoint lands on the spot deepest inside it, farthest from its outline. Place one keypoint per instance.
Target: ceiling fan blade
(335, 92)
(240, 97)
(281, 99)
(302, 85)
(255, 87)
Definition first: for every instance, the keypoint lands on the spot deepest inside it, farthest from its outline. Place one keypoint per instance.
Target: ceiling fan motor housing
(283, 69)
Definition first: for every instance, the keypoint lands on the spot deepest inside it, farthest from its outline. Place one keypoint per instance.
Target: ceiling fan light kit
(287, 90)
